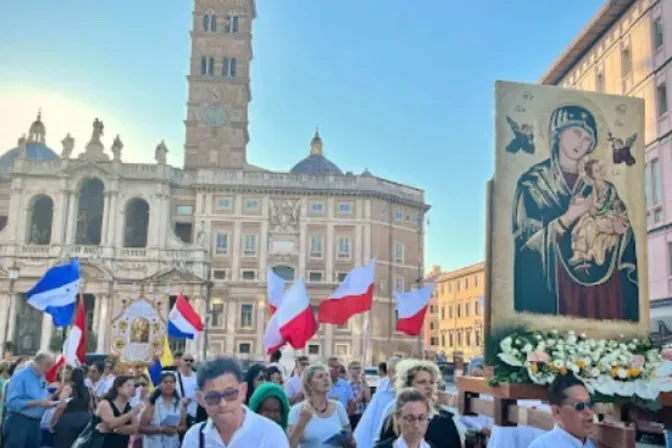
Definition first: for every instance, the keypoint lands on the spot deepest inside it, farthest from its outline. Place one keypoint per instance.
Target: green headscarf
(268, 390)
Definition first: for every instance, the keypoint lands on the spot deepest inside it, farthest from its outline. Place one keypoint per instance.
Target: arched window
(231, 24)
(284, 272)
(41, 218)
(206, 23)
(211, 66)
(90, 212)
(27, 328)
(213, 23)
(204, 65)
(137, 223)
(233, 67)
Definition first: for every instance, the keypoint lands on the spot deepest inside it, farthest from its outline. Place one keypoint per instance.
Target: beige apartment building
(145, 232)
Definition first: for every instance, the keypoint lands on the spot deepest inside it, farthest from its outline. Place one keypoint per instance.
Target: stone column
(47, 329)
(106, 220)
(113, 229)
(237, 251)
(261, 328)
(328, 349)
(263, 249)
(329, 262)
(57, 222)
(4, 304)
(12, 317)
(71, 219)
(15, 199)
(199, 203)
(231, 312)
(103, 323)
(303, 249)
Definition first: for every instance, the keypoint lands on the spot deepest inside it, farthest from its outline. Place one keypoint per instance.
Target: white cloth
(105, 385)
(319, 429)
(257, 431)
(401, 443)
(99, 388)
(365, 433)
(559, 438)
(281, 368)
(517, 436)
(190, 386)
(161, 411)
(293, 386)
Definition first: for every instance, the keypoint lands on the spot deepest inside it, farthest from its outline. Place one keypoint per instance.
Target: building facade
(210, 230)
(626, 49)
(459, 312)
(431, 325)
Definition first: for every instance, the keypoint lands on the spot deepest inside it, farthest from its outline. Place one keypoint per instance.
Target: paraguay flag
(183, 321)
(56, 292)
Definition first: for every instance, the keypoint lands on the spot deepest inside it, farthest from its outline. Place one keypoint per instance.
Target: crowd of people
(317, 405)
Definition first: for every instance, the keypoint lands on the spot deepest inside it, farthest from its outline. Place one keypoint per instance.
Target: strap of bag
(179, 380)
(201, 435)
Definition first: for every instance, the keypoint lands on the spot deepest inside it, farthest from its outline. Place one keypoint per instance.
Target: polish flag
(183, 321)
(353, 296)
(74, 346)
(412, 307)
(275, 286)
(293, 321)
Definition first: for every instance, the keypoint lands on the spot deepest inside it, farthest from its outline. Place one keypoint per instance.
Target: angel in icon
(523, 137)
(598, 231)
(622, 151)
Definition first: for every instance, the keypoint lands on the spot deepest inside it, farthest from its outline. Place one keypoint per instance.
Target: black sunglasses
(214, 398)
(188, 360)
(581, 406)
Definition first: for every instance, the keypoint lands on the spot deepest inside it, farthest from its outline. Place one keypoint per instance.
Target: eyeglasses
(410, 418)
(214, 398)
(188, 360)
(581, 406)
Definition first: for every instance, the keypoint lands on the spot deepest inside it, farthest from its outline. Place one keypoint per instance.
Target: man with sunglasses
(230, 424)
(186, 384)
(572, 410)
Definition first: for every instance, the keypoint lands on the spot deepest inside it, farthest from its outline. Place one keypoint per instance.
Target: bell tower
(219, 84)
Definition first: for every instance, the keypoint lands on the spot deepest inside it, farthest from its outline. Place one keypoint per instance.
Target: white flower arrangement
(625, 368)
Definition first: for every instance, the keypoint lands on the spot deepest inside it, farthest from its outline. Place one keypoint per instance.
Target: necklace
(320, 411)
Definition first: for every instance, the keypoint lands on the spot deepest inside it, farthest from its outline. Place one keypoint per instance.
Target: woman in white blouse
(317, 422)
(411, 418)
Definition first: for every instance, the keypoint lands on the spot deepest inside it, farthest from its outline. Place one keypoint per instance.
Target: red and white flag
(293, 322)
(275, 287)
(411, 308)
(353, 296)
(74, 346)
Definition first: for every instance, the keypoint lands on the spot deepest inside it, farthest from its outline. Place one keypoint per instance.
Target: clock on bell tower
(219, 84)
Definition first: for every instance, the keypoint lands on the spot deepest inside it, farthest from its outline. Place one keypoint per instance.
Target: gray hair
(43, 356)
(221, 365)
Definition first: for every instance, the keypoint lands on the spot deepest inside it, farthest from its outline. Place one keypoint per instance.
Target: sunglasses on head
(214, 398)
(581, 406)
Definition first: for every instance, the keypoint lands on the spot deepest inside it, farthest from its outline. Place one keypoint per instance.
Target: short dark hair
(382, 366)
(216, 367)
(302, 359)
(275, 356)
(557, 392)
(178, 355)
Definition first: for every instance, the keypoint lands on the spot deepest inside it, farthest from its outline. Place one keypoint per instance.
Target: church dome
(316, 164)
(35, 146)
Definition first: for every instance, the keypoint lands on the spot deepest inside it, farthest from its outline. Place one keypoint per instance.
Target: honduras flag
(56, 292)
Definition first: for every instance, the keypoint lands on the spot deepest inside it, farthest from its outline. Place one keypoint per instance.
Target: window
(316, 246)
(450, 311)
(249, 275)
(656, 183)
(185, 210)
(661, 99)
(658, 33)
(217, 315)
(396, 316)
(284, 272)
(468, 337)
(231, 24)
(204, 65)
(432, 325)
(211, 66)
(249, 245)
(647, 186)
(450, 339)
(434, 341)
(313, 349)
(399, 284)
(382, 285)
(252, 205)
(213, 23)
(219, 275)
(317, 207)
(223, 204)
(345, 207)
(443, 312)
(476, 281)
(206, 23)
(343, 248)
(246, 315)
(626, 61)
(599, 82)
(467, 308)
(398, 252)
(245, 348)
(229, 67)
(222, 243)
(466, 283)
(459, 338)
(183, 230)
(315, 276)
(443, 340)
(459, 310)
(477, 307)
(342, 349)
(478, 337)
(341, 276)
(398, 216)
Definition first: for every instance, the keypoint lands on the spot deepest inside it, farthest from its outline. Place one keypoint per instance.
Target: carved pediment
(89, 168)
(174, 276)
(92, 271)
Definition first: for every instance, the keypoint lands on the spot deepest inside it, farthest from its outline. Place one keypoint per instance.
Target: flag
(183, 321)
(293, 321)
(275, 286)
(353, 296)
(411, 308)
(165, 360)
(56, 292)
(74, 346)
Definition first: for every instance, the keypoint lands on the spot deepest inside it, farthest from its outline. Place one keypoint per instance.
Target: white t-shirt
(319, 429)
(190, 386)
(257, 431)
(293, 386)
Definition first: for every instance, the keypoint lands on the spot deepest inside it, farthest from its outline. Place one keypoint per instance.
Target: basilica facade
(146, 232)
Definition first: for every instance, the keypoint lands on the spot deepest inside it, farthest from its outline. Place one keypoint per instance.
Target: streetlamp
(13, 273)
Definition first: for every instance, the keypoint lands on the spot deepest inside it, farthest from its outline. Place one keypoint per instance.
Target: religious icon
(140, 330)
(574, 246)
(621, 150)
(523, 137)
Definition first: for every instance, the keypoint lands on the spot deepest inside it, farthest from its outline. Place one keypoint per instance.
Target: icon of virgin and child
(574, 244)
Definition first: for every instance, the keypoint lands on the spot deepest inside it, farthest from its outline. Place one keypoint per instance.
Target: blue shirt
(24, 386)
(342, 392)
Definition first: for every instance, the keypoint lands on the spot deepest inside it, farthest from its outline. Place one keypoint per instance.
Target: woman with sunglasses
(164, 415)
(411, 419)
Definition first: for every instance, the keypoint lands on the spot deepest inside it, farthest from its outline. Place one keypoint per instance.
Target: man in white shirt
(293, 385)
(573, 412)
(275, 361)
(230, 424)
(186, 383)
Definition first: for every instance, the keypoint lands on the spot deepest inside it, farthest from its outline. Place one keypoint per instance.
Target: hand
(51, 429)
(168, 430)
(136, 409)
(306, 412)
(185, 401)
(577, 209)
(47, 404)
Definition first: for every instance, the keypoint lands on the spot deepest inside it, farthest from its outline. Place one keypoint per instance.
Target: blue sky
(402, 88)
